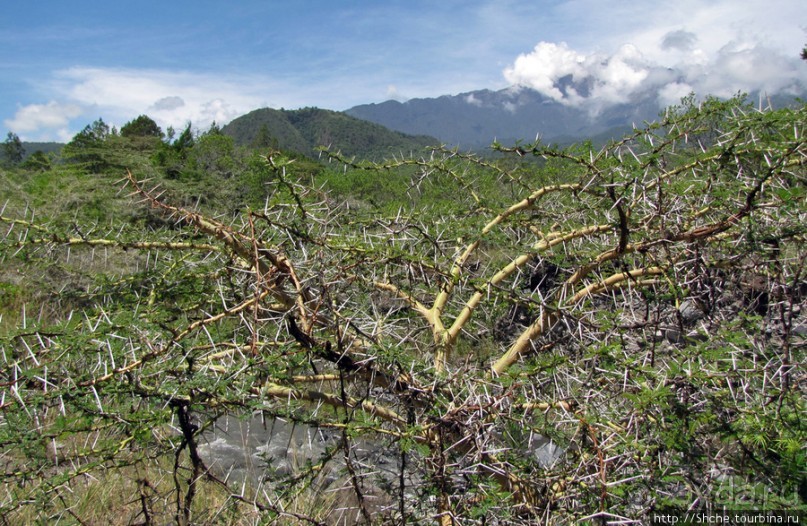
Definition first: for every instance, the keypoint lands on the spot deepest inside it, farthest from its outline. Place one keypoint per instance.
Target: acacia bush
(641, 306)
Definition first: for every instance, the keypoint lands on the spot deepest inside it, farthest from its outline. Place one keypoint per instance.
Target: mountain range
(478, 118)
(470, 121)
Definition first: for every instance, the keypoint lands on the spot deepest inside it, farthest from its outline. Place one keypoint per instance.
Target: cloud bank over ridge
(597, 80)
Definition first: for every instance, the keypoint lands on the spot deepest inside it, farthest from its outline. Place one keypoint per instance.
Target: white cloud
(596, 80)
(394, 94)
(618, 76)
(510, 106)
(547, 64)
(615, 49)
(739, 66)
(574, 78)
(174, 98)
(170, 98)
(81, 95)
(53, 116)
(673, 92)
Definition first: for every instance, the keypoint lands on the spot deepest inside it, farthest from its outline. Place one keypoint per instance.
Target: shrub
(648, 304)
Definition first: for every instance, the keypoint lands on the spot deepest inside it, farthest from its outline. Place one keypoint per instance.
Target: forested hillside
(545, 336)
(306, 129)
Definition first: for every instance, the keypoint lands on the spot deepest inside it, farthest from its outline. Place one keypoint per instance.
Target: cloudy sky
(66, 63)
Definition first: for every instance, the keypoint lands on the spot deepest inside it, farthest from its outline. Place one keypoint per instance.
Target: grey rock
(696, 336)
(673, 335)
(247, 448)
(545, 451)
(690, 311)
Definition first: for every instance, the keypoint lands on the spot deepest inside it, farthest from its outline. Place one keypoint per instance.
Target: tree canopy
(142, 126)
(13, 150)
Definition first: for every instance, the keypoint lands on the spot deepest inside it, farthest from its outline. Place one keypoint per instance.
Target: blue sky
(65, 64)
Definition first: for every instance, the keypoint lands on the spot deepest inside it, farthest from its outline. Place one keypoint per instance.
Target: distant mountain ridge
(305, 129)
(471, 120)
(44, 147)
(475, 119)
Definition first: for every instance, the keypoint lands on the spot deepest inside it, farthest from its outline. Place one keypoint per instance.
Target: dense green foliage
(306, 129)
(142, 126)
(642, 307)
(13, 150)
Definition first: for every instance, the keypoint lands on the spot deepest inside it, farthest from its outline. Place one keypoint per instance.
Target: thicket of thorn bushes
(639, 305)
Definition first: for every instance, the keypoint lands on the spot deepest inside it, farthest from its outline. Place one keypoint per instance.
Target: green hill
(306, 129)
(44, 147)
